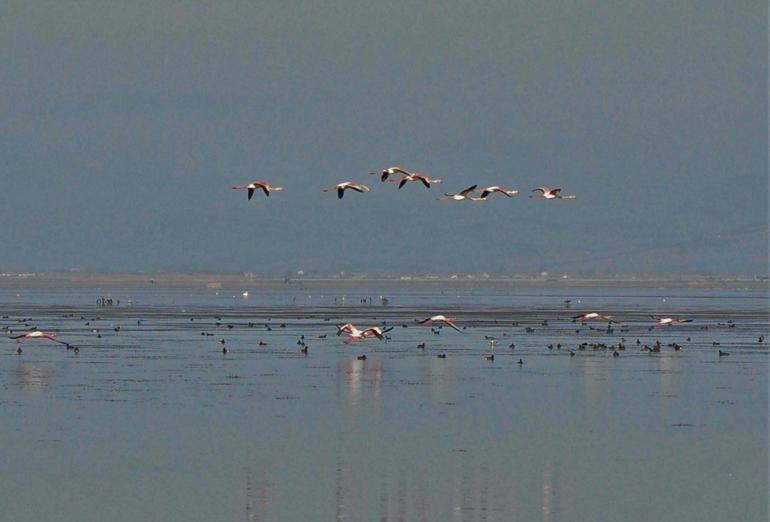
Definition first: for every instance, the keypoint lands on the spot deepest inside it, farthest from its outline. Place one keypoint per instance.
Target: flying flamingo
(460, 196)
(354, 334)
(341, 187)
(346, 328)
(251, 187)
(670, 320)
(491, 190)
(440, 319)
(417, 176)
(390, 171)
(547, 193)
(36, 334)
(592, 315)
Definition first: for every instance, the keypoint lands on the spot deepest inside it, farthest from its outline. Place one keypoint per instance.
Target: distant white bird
(491, 190)
(417, 176)
(390, 171)
(547, 193)
(592, 315)
(440, 319)
(460, 196)
(670, 320)
(340, 188)
(263, 185)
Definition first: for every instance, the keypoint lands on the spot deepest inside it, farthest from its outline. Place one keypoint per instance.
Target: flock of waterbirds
(595, 324)
(401, 176)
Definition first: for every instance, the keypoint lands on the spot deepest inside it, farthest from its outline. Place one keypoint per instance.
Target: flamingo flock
(402, 177)
(380, 332)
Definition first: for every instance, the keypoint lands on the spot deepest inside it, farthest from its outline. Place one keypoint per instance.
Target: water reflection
(548, 492)
(439, 375)
(257, 496)
(465, 490)
(360, 380)
(35, 376)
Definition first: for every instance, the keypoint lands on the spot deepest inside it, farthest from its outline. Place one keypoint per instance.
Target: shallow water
(153, 422)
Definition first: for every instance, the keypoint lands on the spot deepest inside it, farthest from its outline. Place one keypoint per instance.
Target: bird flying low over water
(390, 171)
(460, 196)
(417, 176)
(592, 315)
(491, 190)
(670, 320)
(440, 319)
(547, 193)
(263, 185)
(354, 334)
(340, 188)
(36, 334)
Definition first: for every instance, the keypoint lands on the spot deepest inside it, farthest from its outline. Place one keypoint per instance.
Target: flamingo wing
(424, 179)
(373, 332)
(451, 324)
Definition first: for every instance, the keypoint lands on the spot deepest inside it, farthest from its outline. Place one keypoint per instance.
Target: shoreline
(14, 280)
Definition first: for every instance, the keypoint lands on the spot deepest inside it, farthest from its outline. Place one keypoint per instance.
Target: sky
(125, 124)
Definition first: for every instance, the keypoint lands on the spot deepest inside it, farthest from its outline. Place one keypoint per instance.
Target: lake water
(153, 422)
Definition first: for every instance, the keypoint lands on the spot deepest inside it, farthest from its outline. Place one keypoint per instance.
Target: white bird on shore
(263, 185)
(592, 315)
(460, 196)
(670, 320)
(485, 193)
(340, 188)
(440, 319)
(547, 193)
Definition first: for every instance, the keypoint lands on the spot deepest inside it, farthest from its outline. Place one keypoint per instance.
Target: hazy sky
(124, 125)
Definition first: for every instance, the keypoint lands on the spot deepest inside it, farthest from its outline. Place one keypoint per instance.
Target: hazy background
(124, 125)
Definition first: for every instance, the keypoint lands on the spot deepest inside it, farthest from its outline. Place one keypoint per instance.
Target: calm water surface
(153, 422)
